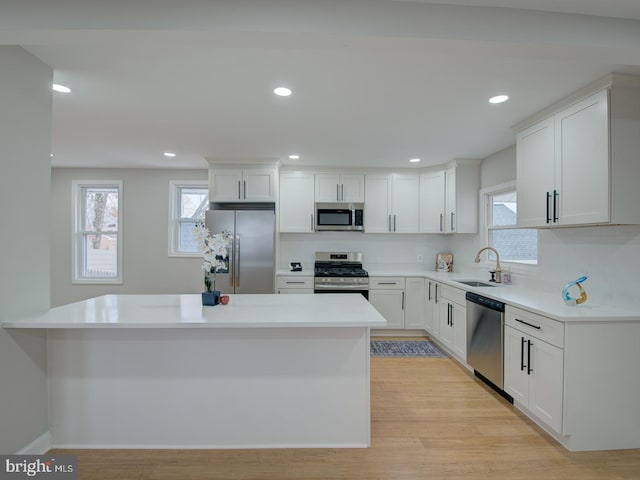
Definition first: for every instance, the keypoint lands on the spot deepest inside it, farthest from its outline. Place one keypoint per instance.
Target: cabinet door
(429, 301)
(225, 185)
(377, 218)
(414, 315)
(582, 155)
(352, 188)
(459, 326)
(258, 185)
(450, 201)
(545, 388)
(535, 163)
(296, 202)
(327, 187)
(435, 309)
(446, 331)
(390, 304)
(432, 202)
(405, 203)
(516, 379)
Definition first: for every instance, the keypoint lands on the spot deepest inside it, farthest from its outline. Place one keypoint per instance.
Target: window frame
(77, 232)
(485, 195)
(174, 215)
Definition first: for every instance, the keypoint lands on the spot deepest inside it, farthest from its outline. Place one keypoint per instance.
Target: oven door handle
(341, 287)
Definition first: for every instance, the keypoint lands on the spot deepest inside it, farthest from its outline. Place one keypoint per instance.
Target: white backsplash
(381, 252)
(609, 256)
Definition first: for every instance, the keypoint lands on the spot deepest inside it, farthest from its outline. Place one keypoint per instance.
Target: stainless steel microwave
(339, 217)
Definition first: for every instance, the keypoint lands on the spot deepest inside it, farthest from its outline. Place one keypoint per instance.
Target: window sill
(97, 281)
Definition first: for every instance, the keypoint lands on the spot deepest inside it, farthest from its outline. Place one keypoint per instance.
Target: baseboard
(397, 333)
(257, 446)
(39, 446)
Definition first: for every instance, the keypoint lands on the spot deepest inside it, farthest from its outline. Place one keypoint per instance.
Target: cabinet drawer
(386, 283)
(453, 294)
(537, 326)
(295, 282)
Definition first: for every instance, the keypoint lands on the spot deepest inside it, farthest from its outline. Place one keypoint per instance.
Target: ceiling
(375, 82)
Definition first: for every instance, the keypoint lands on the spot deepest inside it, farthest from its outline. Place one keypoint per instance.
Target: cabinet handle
(537, 327)
(452, 214)
(337, 192)
(522, 365)
(293, 283)
(451, 309)
(312, 222)
(529, 369)
(245, 189)
(387, 283)
(342, 192)
(389, 222)
(436, 297)
(555, 205)
(548, 207)
(429, 297)
(394, 222)
(239, 197)
(441, 221)
(402, 300)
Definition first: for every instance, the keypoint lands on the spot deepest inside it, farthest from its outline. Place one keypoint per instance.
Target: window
(514, 244)
(189, 200)
(97, 255)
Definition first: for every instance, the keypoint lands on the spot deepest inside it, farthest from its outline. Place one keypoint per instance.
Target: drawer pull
(528, 324)
(387, 283)
(291, 283)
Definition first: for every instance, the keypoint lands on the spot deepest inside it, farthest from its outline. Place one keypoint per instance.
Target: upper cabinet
(297, 202)
(449, 199)
(345, 187)
(249, 184)
(578, 166)
(391, 203)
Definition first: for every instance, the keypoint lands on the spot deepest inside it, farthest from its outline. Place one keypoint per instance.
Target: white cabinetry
(432, 314)
(296, 202)
(249, 184)
(391, 203)
(294, 284)
(574, 166)
(533, 367)
(449, 199)
(387, 295)
(414, 314)
(453, 321)
(339, 187)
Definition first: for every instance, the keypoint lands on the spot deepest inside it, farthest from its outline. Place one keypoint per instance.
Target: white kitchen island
(161, 371)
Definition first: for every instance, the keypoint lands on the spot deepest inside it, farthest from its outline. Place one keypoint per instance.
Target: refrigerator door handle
(237, 269)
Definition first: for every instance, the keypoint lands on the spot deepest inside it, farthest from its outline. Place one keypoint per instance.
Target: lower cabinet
(387, 295)
(414, 313)
(432, 307)
(453, 320)
(294, 284)
(534, 368)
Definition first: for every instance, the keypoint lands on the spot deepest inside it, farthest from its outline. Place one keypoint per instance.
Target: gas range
(340, 272)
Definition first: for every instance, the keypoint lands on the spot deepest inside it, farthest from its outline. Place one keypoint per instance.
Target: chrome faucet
(498, 268)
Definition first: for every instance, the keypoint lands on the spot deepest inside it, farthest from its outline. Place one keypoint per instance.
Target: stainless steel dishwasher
(485, 338)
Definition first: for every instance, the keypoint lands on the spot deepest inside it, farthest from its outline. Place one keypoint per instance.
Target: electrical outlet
(420, 258)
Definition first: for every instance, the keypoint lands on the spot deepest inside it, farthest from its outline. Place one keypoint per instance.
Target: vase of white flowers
(214, 249)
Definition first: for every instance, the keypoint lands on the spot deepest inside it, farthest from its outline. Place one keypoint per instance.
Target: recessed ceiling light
(60, 88)
(282, 91)
(294, 157)
(415, 160)
(499, 99)
(169, 154)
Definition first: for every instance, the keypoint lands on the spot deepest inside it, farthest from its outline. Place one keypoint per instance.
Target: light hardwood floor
(430, 420)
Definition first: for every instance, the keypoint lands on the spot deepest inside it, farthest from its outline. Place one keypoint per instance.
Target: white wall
(25, 146)
(147, 268)
(609, 255)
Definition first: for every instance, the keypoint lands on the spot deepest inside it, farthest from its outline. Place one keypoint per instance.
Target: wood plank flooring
(430, 420)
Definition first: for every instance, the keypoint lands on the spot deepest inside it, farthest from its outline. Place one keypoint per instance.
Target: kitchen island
(161, 371)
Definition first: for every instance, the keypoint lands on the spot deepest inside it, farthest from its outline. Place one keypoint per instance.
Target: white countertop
(535, 300)
(186, 311)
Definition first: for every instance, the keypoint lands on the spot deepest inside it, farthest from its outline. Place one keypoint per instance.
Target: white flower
(213, 247)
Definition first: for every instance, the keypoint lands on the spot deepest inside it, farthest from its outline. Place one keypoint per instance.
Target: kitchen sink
(476, 283)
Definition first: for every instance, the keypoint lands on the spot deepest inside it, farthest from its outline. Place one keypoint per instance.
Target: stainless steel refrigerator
(252, 251)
